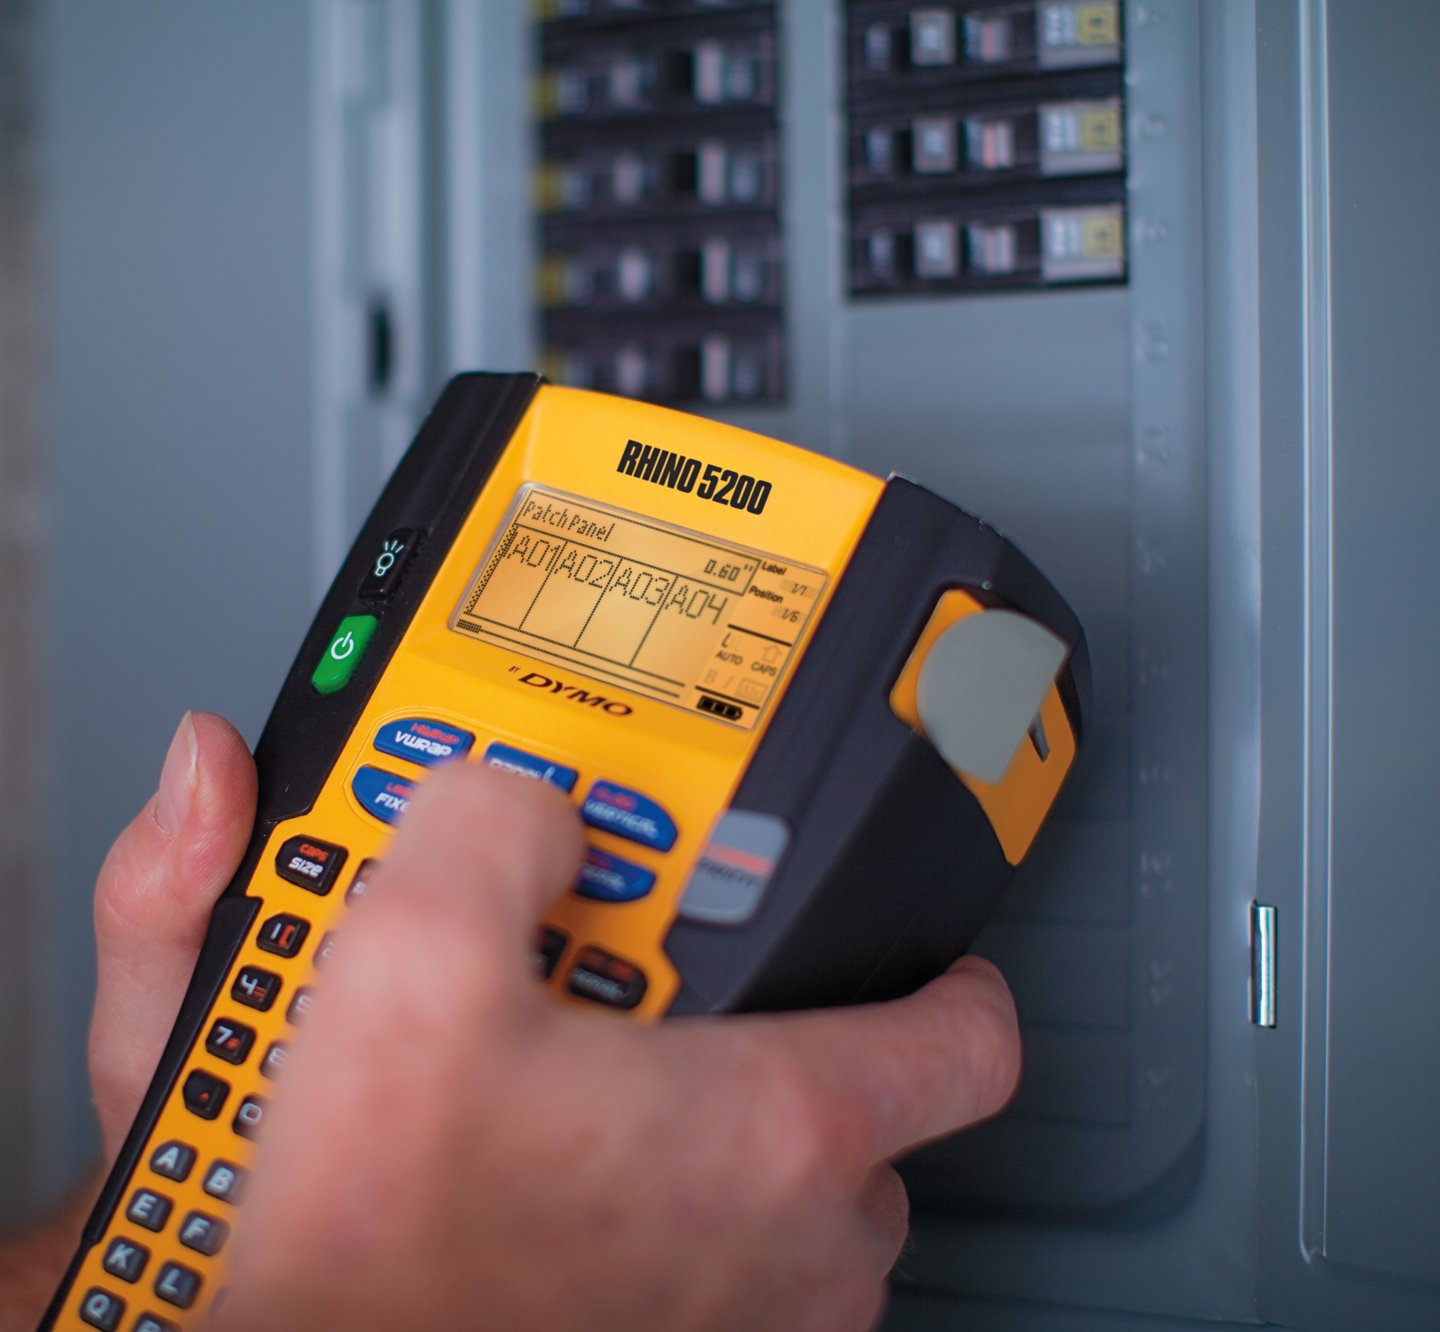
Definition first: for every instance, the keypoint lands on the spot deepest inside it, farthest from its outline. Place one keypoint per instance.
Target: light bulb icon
(389, 553)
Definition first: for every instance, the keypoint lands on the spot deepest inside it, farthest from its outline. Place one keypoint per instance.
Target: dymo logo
(575, 694)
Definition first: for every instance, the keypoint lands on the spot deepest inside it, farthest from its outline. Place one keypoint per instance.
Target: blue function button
(530, 765)
(422, 740)
(607, 878)
(628, 814)
(382, 794)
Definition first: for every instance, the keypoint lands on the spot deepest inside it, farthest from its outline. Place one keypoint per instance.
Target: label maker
(810, 719)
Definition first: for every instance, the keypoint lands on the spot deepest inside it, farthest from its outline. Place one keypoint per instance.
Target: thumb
(152, 902)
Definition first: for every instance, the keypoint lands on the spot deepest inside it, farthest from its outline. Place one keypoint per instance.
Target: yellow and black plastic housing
(822, 843)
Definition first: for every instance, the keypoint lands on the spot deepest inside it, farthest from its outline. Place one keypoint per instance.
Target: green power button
(343, 655)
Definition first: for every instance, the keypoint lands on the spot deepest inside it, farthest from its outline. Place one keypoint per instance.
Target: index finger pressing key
(482, 855)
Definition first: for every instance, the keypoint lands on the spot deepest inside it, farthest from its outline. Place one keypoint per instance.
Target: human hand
(152, 903)
(451, 1147)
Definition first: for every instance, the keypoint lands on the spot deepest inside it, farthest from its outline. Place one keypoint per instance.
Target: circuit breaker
(986, 146)
(658, 190)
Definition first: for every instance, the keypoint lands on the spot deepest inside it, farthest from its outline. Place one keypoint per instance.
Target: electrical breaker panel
(660, 272)
(986, 146)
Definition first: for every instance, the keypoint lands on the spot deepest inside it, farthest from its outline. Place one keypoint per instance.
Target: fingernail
(177, 779)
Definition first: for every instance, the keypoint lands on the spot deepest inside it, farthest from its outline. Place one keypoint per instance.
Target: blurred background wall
(24, 864)
(176, 168)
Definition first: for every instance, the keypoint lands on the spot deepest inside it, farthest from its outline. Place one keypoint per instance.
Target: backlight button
(388, 567)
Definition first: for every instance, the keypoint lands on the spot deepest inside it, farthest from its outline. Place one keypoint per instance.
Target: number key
(283, 935)
(230, 1041)
(249, 1116)
(255, 987)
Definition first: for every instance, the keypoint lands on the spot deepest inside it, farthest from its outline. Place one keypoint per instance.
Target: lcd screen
(666, 612)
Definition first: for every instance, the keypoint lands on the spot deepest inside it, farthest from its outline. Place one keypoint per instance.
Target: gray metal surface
(1145, 582)
(1072, 422)
(1382, 1154)
(1350, 1172)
